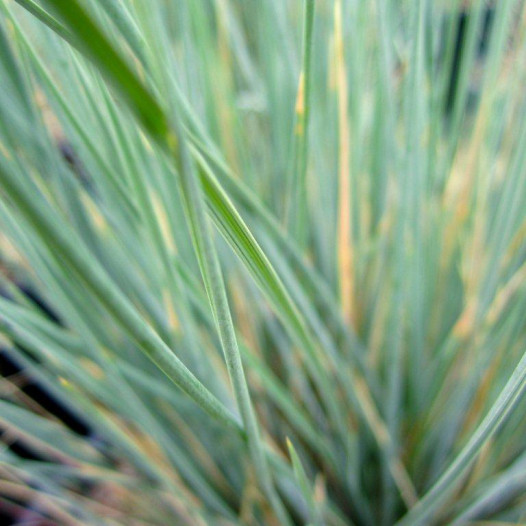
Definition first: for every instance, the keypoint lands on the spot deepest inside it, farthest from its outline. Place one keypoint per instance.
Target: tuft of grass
(266, 260)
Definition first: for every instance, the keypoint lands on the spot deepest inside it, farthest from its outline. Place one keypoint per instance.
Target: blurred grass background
(263, 262)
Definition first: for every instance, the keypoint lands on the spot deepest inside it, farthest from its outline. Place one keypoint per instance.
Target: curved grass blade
(152, 117)
(94, 43)
(506, 402)
(41, 14)
(59, 239)
(118, 72)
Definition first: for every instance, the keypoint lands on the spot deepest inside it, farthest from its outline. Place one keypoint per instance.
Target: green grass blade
(506, 402)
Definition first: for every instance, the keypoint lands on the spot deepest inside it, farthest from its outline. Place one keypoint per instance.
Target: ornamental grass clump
(263, 262)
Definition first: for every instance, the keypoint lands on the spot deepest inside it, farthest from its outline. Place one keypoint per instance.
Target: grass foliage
(281, 247)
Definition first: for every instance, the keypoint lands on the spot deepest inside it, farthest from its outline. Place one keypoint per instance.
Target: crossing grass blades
(277, 261)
